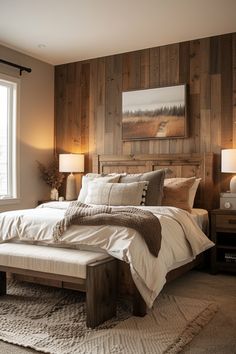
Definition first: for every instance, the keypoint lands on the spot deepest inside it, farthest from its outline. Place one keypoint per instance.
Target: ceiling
(62, 31)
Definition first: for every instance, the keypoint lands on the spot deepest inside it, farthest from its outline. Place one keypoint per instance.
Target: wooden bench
(97, 274)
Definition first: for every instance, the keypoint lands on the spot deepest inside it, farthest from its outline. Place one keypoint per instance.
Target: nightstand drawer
(226, 222)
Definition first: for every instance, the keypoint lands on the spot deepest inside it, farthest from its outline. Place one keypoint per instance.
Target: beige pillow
(116, 193)
(94, 177)
(177, 192)
(193, 189)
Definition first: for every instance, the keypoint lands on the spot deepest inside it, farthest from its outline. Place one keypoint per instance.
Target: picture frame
(156, 113)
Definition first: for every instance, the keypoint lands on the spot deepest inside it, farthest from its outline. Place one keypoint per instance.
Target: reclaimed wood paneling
(88, 98)
(226, 91)
(234, 90)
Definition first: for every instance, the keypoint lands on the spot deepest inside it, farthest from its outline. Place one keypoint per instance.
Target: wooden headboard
(184, 165)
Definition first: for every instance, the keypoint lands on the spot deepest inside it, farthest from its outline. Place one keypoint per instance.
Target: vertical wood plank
(100, 112)
(234, 88)
(205, 96)
(117, 88)
(145, 69)
(60, 88)
(192, 143)
(226, 91)
(205, 81)
(113, 136)
(154, 74)
(215, 131)
(184, 62)
(215, 56)
(195, 67)
(131, 71)
(84, 99)
(92, 111)
(195, 90)
(205, 128)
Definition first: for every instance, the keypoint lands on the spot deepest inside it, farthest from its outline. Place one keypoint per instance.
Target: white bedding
(182, 240)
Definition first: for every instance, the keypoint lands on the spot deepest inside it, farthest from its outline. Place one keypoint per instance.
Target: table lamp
(228, 164)
(71, 163)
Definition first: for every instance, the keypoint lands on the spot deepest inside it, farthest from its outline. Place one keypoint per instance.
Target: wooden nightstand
(223, 234)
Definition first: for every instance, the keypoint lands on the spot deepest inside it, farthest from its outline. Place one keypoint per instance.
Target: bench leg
(101, 292)
(139, 305)
(3, 283)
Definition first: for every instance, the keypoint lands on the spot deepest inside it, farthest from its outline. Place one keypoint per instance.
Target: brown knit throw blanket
(142, 221)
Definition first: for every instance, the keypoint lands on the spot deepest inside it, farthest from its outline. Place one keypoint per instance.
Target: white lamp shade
(228, 160)
(71, 163)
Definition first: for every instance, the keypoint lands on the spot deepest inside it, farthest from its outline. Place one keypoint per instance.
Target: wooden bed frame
(186, 165)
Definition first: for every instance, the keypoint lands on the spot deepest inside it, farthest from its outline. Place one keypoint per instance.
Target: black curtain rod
(20, 67)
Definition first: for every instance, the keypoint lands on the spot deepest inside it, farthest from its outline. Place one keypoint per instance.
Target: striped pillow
(98, 179)
(117, 193)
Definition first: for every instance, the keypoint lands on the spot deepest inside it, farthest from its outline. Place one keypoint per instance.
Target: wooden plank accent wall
(88, 98)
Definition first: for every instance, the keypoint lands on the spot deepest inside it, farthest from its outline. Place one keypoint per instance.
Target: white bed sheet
(182, 240)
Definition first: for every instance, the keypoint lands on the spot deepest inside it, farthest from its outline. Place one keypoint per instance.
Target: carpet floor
(219, 336)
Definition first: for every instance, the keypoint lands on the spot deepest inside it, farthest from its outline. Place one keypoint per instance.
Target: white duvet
(182, 241)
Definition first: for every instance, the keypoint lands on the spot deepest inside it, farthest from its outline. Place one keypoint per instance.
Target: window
(9, 90)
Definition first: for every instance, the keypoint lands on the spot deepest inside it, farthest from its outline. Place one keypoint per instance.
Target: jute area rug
(53, 321)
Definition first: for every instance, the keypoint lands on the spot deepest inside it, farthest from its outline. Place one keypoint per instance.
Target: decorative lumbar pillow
(155, 186)
(94, 177)
(177, 191)
(117, 193)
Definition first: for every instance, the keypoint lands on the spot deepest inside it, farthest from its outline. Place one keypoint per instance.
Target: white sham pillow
(116, 193)
(97, 178)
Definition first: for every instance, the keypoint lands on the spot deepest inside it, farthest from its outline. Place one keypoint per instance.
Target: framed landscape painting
(158, 113)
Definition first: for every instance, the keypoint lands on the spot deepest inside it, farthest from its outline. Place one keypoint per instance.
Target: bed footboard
(101, 291)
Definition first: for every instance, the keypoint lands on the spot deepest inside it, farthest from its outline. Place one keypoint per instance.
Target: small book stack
(230, 257)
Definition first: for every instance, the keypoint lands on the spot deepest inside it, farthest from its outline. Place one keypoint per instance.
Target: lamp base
(233, 184)
(71, 187)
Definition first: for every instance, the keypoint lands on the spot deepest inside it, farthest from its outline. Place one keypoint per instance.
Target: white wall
(36, 124)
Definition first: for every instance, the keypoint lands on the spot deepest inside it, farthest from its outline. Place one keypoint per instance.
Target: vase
(54, 194)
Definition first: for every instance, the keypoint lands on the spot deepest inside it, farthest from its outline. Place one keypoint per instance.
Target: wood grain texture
(234, 90)
(88, 98)
(101, 292)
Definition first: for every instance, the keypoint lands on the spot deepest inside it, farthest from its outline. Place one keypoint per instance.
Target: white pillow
(116, 193)
(94, 177)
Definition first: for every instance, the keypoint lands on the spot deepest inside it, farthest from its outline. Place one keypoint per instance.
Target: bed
(199, 165)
